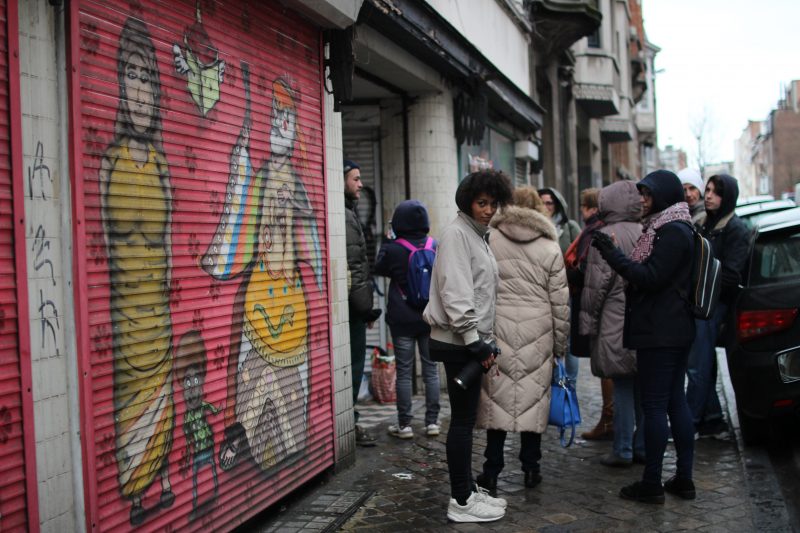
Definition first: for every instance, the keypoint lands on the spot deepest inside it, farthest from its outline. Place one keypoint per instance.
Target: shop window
(594, 39)
(494, 151)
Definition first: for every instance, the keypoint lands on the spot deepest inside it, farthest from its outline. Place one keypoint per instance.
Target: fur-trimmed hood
(521, 224)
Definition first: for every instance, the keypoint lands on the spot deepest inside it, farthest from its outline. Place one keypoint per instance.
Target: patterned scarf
(644, 246)
(579, 248)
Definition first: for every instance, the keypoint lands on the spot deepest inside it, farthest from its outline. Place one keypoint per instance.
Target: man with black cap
(359, 285)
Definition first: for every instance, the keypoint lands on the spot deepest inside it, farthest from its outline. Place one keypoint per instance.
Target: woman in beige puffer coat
(531, 326)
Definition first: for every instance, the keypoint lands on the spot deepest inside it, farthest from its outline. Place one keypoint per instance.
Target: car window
(752, 220)
(776, 258)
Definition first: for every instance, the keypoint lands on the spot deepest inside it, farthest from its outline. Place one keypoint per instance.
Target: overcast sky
(729, 57)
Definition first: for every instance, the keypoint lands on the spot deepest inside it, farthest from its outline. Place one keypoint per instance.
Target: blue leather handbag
(564, 411)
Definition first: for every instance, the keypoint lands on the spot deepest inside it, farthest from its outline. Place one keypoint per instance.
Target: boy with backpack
(729, 239)
(407, 261)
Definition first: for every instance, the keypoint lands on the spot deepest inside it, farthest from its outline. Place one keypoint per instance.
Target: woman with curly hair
(461, 312)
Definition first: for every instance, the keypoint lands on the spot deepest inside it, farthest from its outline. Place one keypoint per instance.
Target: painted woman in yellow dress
(267, 228)
(137, 212)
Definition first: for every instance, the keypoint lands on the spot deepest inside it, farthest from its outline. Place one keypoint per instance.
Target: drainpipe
(406, 149)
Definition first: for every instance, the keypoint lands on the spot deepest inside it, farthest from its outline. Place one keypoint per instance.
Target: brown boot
(604, 428)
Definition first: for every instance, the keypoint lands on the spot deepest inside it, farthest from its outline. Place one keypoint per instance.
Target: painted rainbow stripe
(240, 233)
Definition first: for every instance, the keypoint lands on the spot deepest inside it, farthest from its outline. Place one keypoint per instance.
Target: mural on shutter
(13, 493)
(205, 207)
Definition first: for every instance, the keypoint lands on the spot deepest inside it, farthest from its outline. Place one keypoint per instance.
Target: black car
(764, 350)
(752, 214)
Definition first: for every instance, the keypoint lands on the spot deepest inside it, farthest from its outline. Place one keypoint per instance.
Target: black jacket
(410, 222)
(656, 316)
(729, 238)
(360, 286)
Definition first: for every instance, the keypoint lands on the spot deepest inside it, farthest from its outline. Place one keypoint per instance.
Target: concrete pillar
(48, 235)
(340, 325)
(433, 157)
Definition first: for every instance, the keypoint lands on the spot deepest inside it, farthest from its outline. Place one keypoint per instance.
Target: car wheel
(754, 430)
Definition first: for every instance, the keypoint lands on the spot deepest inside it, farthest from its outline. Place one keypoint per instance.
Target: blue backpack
(420, 267)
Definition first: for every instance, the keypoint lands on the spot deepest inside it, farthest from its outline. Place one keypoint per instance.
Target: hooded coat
(729, 238)
(602, 313)
(531, 321)
(656, 316)
(359, 280)
(409, 222)
(567, 230)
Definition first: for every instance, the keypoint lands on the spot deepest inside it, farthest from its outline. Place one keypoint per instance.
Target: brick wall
(786, 151)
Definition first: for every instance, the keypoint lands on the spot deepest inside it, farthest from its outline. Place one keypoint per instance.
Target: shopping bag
(384, 374)
(564, 411)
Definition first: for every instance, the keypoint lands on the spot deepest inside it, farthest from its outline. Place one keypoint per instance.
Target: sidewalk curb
(766, 499)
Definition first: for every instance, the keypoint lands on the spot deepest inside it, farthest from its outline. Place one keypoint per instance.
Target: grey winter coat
(359, 283)
(531, 323)
(602, 314)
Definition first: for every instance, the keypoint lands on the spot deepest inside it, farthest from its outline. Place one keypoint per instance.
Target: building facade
(775, 154)
(744, 164)
(673, 158)
(174, 316)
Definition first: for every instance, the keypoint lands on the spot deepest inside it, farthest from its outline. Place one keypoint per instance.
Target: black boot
(643, 492)
(532, 479)
(681, 487)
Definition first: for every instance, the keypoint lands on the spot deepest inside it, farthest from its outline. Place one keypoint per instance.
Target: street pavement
(402, 485)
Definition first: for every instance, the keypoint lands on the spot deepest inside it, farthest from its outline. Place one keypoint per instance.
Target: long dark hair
(135, 39)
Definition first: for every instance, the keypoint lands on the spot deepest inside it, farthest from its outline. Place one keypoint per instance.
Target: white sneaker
(484, 495)
(476, 510)
(404, 432)
(432, 430)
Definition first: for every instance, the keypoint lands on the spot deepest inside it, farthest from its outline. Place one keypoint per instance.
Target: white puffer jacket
(531, 324)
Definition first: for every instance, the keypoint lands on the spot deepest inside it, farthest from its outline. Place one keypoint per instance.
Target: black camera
(473, 370)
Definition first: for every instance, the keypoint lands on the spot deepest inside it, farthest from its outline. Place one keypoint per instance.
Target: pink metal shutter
(209, 391)
(18, 508)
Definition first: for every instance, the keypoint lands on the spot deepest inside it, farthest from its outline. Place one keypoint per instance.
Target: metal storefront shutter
(17, 503)
(206, 263)
(362, 146)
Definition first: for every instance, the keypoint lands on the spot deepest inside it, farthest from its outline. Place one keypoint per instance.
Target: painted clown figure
(266, 230)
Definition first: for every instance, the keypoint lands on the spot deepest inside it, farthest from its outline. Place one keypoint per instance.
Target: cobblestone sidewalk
(410, 491)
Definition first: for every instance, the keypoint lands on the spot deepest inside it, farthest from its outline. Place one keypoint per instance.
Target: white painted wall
(49, 269)
(491, 30)
(337, 250)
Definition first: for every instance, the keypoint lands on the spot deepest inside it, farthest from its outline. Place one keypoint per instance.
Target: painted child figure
(191, 362)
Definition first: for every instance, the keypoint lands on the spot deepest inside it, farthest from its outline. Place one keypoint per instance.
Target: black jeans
(661, 373)
(463, 412)
(530, 451)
